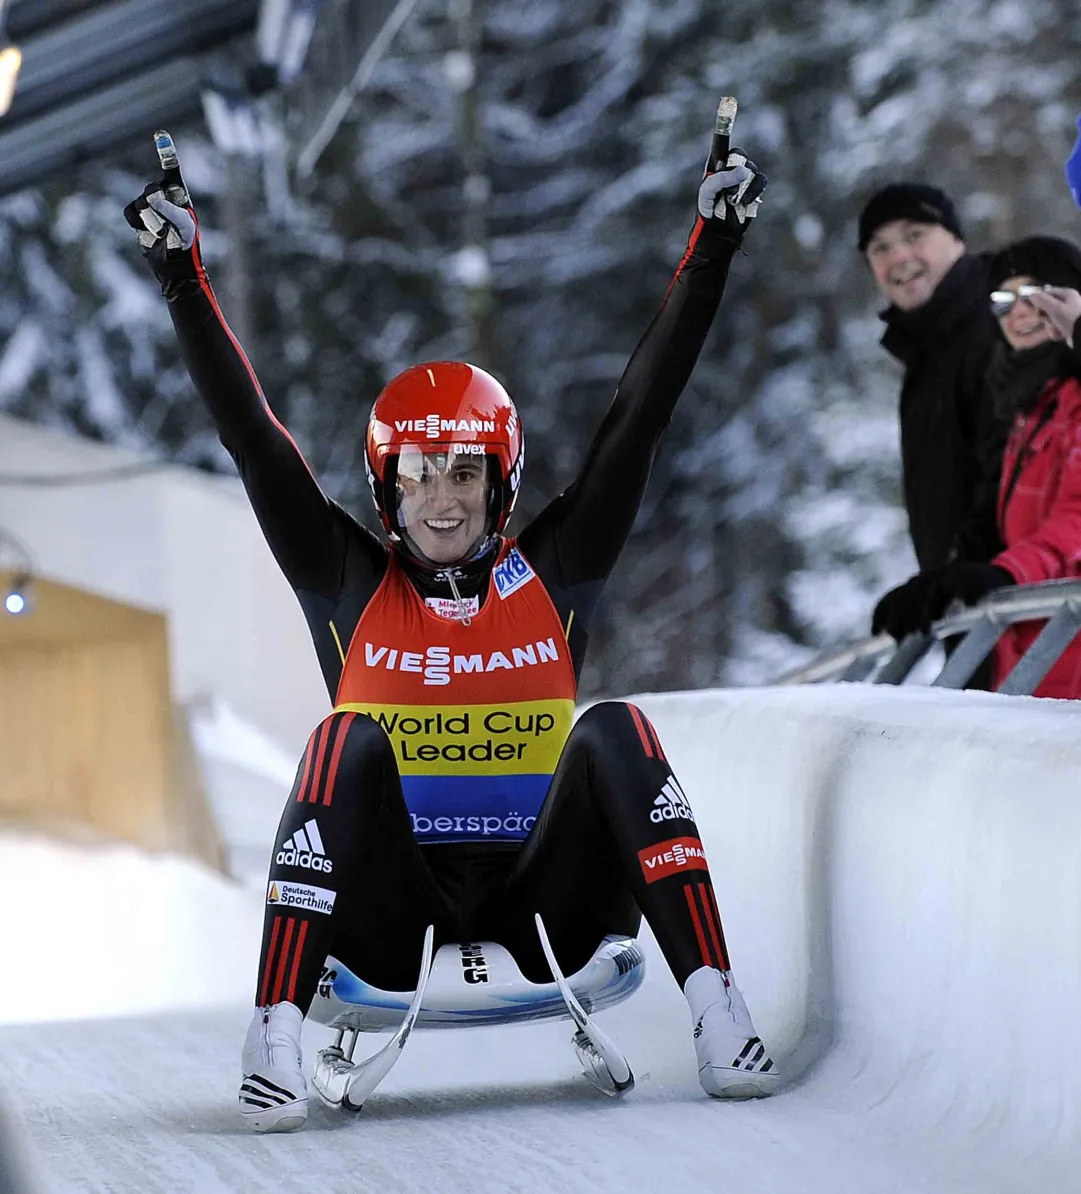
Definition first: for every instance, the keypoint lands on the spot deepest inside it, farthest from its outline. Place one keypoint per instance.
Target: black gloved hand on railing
(923, 599)
(903, 610)
(967, 581)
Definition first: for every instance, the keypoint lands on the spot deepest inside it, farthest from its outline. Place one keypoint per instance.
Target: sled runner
(470, 985)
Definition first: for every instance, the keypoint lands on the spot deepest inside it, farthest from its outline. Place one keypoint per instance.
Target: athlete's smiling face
(443, 502)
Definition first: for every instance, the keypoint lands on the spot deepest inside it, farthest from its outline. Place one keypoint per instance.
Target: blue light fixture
(19, 597)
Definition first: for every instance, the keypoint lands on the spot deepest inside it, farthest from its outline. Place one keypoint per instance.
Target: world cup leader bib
(477, 714)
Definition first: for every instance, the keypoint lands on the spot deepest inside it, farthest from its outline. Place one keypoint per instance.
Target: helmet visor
(443, 493)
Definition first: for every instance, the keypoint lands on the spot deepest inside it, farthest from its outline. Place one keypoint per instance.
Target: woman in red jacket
(1035, 378)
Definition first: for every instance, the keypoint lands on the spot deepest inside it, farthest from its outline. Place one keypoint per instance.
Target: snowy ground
(146, 1104)
(899, 878)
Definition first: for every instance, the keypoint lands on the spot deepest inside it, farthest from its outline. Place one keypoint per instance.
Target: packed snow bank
(14, 1168)
(111, 930)
(247, 778)
(900, 876)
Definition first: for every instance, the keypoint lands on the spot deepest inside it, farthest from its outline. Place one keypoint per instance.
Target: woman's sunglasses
(1003, 300)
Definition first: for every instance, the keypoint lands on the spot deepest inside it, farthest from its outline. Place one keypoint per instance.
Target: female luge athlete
(449, 786)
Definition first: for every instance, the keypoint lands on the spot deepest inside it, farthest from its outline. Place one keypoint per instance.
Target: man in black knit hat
(939, 326)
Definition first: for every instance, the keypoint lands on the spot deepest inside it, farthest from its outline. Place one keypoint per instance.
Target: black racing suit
(583, 865)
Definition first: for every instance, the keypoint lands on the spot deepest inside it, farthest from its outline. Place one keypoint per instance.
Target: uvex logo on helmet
(444, 403)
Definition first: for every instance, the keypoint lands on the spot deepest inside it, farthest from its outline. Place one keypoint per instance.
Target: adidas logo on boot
(273, 1093)
(732, 1060)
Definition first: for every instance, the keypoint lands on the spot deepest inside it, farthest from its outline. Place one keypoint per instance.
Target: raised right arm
(307, 533)
(296, 517)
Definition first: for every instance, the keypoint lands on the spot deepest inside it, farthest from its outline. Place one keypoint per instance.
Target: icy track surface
(900, 877)
(147, 1105)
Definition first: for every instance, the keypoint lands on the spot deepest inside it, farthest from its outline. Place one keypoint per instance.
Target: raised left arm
(587, 526)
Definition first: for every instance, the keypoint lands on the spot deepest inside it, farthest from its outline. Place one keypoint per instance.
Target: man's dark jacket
(951, 440)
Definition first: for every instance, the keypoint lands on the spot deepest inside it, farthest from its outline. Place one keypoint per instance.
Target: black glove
(925, 597)
(904, 610)
(729, 199)
(169, 235)
(965, 581)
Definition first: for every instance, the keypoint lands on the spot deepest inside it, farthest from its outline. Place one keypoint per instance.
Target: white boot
(274, 1094)
(732, 1061)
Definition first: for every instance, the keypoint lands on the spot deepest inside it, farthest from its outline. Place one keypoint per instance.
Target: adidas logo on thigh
(305, 849)
(671, 804)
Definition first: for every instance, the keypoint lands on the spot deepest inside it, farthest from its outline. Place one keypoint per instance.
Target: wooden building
(151, 589)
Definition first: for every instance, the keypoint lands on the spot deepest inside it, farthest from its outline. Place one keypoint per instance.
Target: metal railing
(880, 660)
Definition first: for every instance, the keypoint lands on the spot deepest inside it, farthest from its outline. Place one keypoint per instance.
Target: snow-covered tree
(773, 519)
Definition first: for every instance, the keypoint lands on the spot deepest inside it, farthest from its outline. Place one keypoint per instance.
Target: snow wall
(899, 873)
(897, 869)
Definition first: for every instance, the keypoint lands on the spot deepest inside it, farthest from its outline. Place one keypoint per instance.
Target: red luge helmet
(442, 403)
